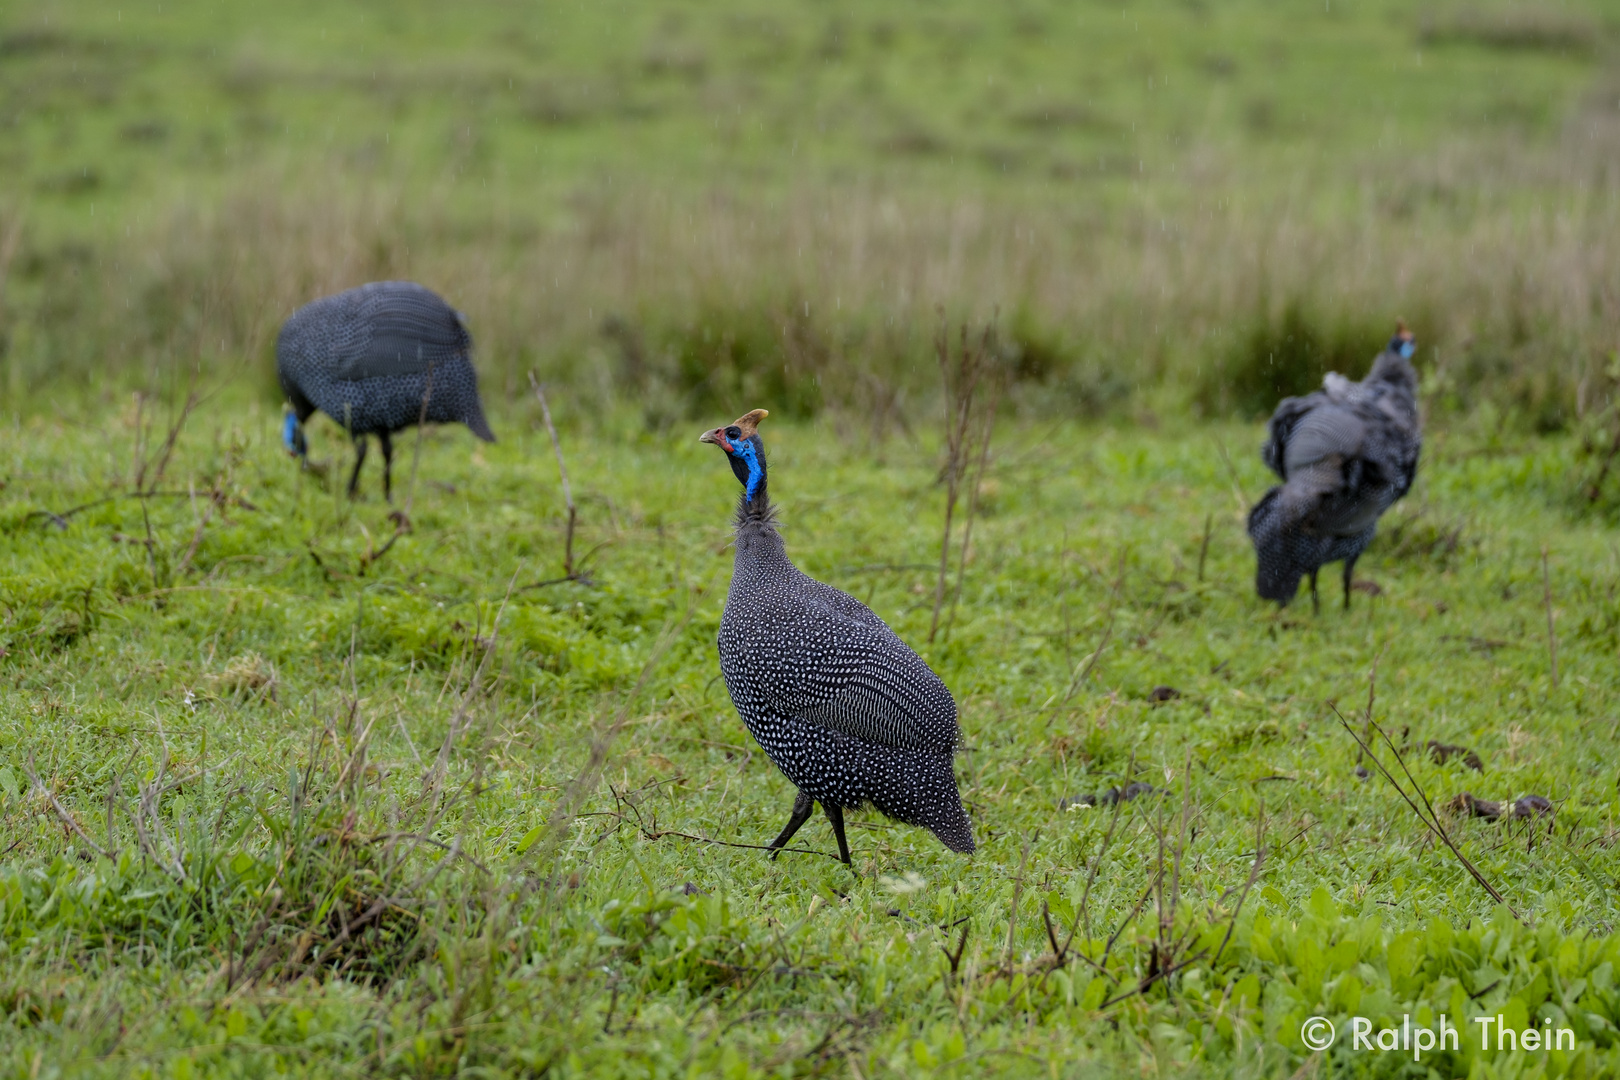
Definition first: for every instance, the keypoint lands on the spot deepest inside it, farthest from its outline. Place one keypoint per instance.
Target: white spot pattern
(839, 703)
(364, 357)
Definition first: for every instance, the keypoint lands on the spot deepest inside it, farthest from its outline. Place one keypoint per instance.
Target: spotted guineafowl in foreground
(842, 706)
(1345, 454)
(377, 359)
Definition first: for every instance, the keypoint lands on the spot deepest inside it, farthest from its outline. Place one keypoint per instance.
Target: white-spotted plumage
(380, 358)
(849, 713)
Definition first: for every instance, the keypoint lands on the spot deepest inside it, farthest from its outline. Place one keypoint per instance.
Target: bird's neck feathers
(756, 514)
(1396, 370)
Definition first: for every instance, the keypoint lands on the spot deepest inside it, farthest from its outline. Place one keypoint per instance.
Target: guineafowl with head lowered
(848, 712)
(377, 359)
(1345, 454)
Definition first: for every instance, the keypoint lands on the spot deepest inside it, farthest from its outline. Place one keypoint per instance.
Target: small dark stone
(1362, 773)
(1443, 752)
(1160, 694)
(1532, 806)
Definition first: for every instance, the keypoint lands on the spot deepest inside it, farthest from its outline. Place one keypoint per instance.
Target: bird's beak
(718, 437)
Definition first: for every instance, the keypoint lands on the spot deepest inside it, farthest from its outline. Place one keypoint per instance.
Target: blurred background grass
(1174, 204)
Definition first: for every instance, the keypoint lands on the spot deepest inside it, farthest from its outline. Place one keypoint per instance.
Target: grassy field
(285, 789)
(276, 800)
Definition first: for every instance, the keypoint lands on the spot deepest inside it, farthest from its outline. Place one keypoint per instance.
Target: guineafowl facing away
(838, 702)
(1345, 454)
(377, 359)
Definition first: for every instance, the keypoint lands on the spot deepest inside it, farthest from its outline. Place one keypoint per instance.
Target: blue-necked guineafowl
(377, 359)
(838, 702)
(1345, 454)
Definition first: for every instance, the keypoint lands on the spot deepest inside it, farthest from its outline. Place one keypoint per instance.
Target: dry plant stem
(8, 251)
(61, 811)
(1165, 921)
(959, 380)
(137, 453)
(1430, 821)
(1102, 852)
(585, 781)
(214, 500)
(952, 465)
(416, 448)
(1203, 548)
(1254, 875)
(1608, 463)
(164, 453)
(653, 832)
(1552, 631)
(1018, 893)
(1232, 473)
(973, 493)
(435, 776)
(562, 469)
(1081, 675)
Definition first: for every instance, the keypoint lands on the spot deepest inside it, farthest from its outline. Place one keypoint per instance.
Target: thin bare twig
(1203, 549)
(61, 811)
(1254, 875)
(164, 453)
(1552, 631)
(960, 378)
(562, 468)
(1232, 473)
(1430, 821)
(973, 500)
(1018, 893)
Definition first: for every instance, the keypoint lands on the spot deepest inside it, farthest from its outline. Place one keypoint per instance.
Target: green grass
(283, 791)
(334, 807)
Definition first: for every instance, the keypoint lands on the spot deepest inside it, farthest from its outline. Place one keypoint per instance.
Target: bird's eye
(734, 432)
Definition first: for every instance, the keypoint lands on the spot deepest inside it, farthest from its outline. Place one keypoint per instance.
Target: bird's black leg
(835, 814)
(1316, 601)
(1349, 568)
(359, 460)
(802, 807)
(387, 445)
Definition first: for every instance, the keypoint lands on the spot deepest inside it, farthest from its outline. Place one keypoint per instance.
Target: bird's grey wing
(410, 331)
(842, 667)
(1325, 432)
(1280, 429)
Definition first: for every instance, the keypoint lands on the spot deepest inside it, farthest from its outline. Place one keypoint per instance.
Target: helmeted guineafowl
(838, 702)
(378, 358)
(1345, 454)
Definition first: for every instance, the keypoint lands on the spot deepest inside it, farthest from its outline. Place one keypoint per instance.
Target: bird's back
(376, 330)
(371, 356)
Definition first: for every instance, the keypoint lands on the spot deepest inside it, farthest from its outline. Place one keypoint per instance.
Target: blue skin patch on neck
(289, 432)
(1407, 349)
(756, 473)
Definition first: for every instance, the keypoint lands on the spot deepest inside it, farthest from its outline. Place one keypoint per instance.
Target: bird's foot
(401, 520)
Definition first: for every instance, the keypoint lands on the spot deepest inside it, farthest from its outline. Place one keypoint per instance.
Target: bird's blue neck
(290, 434)
(754, 481)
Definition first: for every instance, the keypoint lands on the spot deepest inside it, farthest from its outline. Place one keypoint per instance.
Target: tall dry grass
(1181, 292)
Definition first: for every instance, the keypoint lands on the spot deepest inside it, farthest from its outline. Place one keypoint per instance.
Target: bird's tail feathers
(1277, 574)
(477, 424)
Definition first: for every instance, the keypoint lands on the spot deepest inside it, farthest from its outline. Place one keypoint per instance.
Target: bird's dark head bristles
(746, 452)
